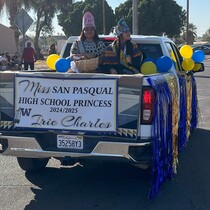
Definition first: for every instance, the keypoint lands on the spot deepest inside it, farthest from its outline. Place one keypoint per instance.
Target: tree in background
(70, 17)
(155, 16)
(206, 36)
(160, 16)
(125, 11)
(192, 33)
(45, 11)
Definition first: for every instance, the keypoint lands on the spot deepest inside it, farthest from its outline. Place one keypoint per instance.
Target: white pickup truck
(142, 119)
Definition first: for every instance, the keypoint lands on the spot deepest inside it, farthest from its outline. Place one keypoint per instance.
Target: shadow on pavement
(121, 186)
(105, 186)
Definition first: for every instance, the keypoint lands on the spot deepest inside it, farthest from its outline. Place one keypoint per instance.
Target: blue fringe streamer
(182, 133)
(194, 118)
(162, 145)
(162, 155)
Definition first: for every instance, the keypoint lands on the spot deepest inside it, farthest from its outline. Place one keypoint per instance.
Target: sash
(110, 58)
(123, 61)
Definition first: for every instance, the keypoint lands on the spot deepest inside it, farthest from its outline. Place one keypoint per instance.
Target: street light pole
(187, 27)
(135, 17)
(104, 20)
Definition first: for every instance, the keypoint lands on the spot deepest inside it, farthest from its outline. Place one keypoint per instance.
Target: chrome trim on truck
(29, 147)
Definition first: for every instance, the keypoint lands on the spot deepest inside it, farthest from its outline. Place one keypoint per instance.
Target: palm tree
(193, 29)
(206, 36)
(192, 33)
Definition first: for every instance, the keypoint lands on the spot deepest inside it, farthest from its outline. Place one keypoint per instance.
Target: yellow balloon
(148, 68)
(188, 64)
(197, 67)
(51, 60)
(186, 51)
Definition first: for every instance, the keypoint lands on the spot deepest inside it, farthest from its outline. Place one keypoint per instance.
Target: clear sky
(198, 14)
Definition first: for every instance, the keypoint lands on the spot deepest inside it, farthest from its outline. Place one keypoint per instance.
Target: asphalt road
(116, 186)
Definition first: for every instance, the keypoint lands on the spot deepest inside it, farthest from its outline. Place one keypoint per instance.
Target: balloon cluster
(190, 57)
(57, 63)
(161, 65)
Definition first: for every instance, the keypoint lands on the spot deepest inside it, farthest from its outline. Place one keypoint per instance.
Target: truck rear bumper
(29, 147)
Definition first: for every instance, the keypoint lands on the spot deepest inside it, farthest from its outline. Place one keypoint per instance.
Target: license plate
(69, 142)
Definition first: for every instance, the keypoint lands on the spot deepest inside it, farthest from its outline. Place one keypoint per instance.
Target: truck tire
(32, 164)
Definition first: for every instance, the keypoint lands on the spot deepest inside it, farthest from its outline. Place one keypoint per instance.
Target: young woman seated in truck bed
(89, 45)
(122, 56)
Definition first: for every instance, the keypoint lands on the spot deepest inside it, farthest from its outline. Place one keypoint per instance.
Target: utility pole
(135, 17)
(104, 19)
(187, 26)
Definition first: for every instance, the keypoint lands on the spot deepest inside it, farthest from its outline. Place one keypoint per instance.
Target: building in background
(7, 41)
(46, 41)
(23, 43)
(60, 44)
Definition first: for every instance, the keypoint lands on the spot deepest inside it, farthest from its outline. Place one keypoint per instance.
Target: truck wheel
(32, 164)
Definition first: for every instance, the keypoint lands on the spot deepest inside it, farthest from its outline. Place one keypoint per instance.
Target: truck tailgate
(89, 103)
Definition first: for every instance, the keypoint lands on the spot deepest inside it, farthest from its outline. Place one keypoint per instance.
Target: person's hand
(87, 56)
(113, 71)
(77, 57)
(83, 57)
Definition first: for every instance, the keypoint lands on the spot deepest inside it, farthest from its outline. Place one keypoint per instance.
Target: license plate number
(69, 142)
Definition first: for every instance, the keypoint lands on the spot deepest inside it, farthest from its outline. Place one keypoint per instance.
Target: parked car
(204, 48)
(206, 45)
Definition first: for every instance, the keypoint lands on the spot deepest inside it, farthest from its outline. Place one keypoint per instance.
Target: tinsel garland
(183, 114)
(171, 125)
(173, 86)
(162, 148)
(189, 103)
(194, 118)
(189, 108)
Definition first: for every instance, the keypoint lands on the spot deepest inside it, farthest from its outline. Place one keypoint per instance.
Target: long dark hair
(95, 38)
(128, 44)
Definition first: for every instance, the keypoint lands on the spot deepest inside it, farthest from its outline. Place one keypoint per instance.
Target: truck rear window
(149, 50)
(153, 51)
(67, 50)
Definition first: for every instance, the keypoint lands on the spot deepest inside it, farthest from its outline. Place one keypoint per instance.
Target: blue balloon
(198, 56)
(62, 65)
(148, 59)
(68, 59)
(164, 64)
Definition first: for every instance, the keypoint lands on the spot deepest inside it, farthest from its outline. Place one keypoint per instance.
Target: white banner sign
(69, 104)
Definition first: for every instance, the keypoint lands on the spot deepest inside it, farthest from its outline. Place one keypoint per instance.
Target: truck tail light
(148, 99)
